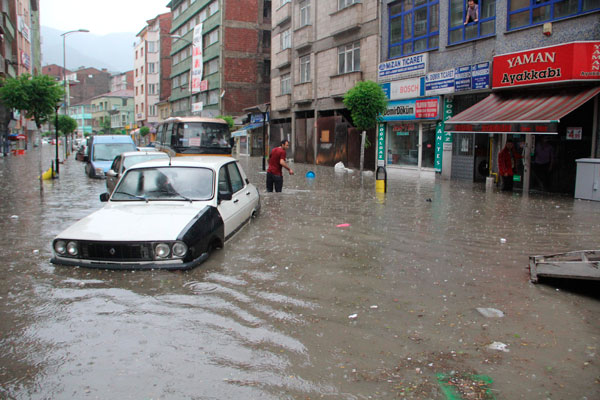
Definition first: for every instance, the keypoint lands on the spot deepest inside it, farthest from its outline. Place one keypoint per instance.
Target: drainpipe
(595, 129)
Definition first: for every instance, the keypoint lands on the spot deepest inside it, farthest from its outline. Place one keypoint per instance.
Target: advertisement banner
(381, 145)
(441, 136)
(439, 82)
(404, 89)
(480, 76)
(197, 60)
(565, 62)
(406, 67)
(412, 109)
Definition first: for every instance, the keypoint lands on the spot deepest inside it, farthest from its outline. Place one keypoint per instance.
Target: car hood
(135, 221)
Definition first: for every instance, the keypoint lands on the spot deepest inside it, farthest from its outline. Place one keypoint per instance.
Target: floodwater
(297, 307)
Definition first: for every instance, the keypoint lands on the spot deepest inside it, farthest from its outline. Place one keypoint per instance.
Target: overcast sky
(100, 17)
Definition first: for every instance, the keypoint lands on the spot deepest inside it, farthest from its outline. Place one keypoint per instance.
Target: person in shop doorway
(507, 165)
(543, 163)
(276, 164)
(472, 12)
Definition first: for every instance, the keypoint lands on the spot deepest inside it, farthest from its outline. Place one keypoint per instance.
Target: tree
(66, 125)
(144, 130)
(105, 128)
(37, 96)
(228, 119)
(366, 102)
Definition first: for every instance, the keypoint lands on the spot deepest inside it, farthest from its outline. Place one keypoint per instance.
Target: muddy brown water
(295, 307)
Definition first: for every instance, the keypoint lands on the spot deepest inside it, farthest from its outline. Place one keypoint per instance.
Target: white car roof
(212, 162)
(143, 152)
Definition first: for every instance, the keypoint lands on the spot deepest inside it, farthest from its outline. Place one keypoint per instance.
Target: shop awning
(244, 131)
(520, 113)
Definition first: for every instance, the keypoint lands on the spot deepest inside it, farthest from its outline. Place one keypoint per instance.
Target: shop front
(410, 132)
(545, 101)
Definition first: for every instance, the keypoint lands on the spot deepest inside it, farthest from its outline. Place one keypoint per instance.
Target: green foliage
(144, 130)
(228, 119)
(66, 124)
(105, 128)
(37, 96)
(366, 101)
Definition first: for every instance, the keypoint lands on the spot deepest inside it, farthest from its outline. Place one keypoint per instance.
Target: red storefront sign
(428, 108)
(566, 62)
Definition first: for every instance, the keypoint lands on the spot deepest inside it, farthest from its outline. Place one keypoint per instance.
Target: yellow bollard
(381, 180)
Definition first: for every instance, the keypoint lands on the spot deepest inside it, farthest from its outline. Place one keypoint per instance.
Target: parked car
(81, 152)
(102, 150)
(126, 160)
(163, 214)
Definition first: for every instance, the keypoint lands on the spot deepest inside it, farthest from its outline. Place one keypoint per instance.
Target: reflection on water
(269, 315)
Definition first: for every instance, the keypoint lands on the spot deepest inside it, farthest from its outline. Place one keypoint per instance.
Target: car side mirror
(225, 196)
(111, 173)
(104, 197)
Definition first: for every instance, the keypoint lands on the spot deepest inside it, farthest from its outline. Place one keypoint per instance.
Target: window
(484, 27)
(211, 67)
(152, 47)
(346, 3)
(152, 68)
(305, 69)
(152, 111)
(349, 58)
(202, 14)
(286, 39)
(414, 27)
(213, 97)
(522, 13)
(213, 7)
(152, 88)
(211, 38)
(305, 13)
(286, 84)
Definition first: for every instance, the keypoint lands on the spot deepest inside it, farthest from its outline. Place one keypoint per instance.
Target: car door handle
(248, 193)
(236, 200)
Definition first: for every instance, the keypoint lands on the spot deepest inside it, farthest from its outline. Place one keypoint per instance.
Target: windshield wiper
(134, 196)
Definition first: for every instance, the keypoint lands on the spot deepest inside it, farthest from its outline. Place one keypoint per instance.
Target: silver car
(126, 160)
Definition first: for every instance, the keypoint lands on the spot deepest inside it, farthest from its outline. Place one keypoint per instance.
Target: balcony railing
(282, 102)
(283, 14)
(282, 59)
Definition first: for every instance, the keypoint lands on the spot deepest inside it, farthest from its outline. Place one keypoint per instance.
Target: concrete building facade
(320, 50)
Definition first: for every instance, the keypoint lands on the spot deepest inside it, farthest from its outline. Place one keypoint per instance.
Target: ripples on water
(268, 316)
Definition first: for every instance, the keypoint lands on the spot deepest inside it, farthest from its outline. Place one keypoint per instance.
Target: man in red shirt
(276, 163)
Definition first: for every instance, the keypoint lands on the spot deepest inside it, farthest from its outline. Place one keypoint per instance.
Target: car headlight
(99, 172)
(60, 246)
(179, 249)
(72, 249)
(162, 250)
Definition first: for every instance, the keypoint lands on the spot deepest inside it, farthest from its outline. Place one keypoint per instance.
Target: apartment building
(20, 52)
(112, 112)
(121, 81)
(460, 87)
(228, 68)
(320, 50)
(152, 67)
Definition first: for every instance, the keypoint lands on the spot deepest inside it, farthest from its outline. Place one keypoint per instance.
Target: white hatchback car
(163, 214)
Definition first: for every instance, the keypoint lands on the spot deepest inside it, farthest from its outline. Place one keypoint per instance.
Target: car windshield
(131, 160)
(205, 134)
(108, 151)
(165, 183)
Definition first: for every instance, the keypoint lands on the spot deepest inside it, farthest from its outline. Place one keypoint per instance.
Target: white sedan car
(163, 214)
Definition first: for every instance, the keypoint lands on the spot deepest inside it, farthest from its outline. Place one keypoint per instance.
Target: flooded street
(296, 306)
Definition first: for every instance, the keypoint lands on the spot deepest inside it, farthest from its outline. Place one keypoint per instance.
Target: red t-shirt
(277, 154)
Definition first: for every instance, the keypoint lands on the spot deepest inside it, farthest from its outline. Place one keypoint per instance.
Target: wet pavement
(297, 307)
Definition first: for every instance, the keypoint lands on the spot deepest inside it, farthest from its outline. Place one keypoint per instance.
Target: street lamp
(179, 37)
(66, 97)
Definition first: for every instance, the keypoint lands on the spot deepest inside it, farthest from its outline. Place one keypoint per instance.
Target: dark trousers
(274, 181)
(507, 183)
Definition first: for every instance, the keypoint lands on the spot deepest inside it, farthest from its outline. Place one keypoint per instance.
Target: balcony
(303, 92)
(282, 59)
(283, 14)
(340, 84)
(346, 20)
(302, 37)
(282, 102)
